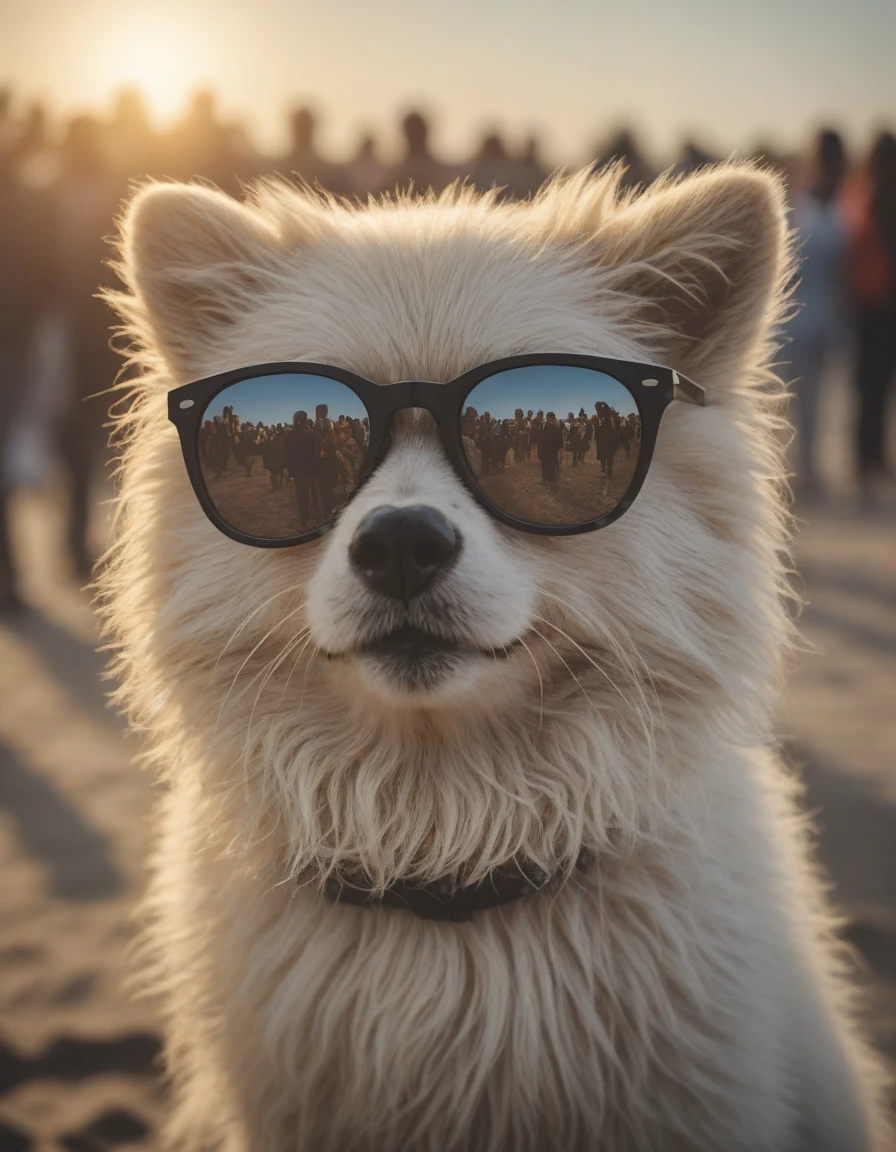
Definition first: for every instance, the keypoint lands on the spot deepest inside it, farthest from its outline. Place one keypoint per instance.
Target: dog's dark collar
(440, 899)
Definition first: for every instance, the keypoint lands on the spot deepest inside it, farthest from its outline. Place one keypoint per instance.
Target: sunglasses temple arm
(688, 391)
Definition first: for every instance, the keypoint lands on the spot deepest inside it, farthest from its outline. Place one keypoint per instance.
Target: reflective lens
(280, 455)
(551, 444)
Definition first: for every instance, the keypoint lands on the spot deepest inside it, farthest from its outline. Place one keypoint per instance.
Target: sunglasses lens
(281, 455)
(552, 444)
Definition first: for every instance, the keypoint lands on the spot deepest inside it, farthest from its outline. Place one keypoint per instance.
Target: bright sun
(156, 56)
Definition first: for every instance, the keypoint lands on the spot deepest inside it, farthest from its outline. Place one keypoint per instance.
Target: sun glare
(156, 56)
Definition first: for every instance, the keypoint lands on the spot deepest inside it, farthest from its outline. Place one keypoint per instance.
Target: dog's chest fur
(599, 1013)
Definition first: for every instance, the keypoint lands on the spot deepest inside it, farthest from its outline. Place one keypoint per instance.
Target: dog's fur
(687, 992)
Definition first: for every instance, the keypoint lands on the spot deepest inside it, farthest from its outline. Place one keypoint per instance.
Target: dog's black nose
(399, 551)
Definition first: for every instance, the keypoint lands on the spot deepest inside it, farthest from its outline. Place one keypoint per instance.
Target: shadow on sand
(77, 855)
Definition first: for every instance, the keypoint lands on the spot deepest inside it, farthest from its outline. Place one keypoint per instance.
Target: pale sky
(731, 73)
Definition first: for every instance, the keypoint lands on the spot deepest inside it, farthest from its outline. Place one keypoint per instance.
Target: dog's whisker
(266, 672)
(245, 622)
(589, 658)
(625, 658)
(559, 656)
(627, 653)
(270, 671)
(314, 656)
(289, 647)
(618, 649)
(540, 683)
(239, 670)
(294, 666)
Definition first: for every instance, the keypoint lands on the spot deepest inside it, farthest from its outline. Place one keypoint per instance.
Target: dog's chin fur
(430, 681)
(613, 692)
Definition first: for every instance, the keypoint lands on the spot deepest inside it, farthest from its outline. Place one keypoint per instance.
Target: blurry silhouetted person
(84, 204)
(240, 161)
(870, 206)
(550, 445)
(300, 453)
(8, 128)
(198, 145)
(33, 137)
(365, 173)
(327, 464)
(21, 290)
(38, 160)
(273, 455)
(219, 447)
(623, 146)
(692, 159)
(303, 159)
(606, 439)
(494, 167)
(785, 164)
(132, 146)
(817, 328)
(532, 171)
(418, 167)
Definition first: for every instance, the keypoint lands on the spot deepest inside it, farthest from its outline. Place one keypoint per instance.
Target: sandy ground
(251, 505)
(77, 1050)
(581, 494)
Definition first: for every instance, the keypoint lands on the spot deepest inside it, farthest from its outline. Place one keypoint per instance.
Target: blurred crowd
(845, 222)
(61, 185)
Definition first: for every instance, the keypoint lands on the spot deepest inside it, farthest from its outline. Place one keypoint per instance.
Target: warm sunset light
(522, 67)
(160, 53)
(143, 52)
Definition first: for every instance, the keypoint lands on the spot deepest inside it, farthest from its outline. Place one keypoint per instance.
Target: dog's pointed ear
(195, 260)
(703, 262)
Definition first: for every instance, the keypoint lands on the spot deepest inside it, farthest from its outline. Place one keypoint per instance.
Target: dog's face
(521, 700)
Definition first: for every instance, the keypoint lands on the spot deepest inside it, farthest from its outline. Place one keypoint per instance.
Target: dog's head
(532, 694)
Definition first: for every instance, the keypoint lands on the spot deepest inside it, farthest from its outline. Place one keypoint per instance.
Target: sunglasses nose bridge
(420, 396)
(412, 394)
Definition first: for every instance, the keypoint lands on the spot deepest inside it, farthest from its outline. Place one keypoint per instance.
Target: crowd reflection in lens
(275, 479)
(554, 467)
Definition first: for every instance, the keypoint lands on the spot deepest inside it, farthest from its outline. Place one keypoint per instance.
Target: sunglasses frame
(652, 387)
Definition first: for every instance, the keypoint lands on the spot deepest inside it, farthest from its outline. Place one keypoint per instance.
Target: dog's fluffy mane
(639, 728)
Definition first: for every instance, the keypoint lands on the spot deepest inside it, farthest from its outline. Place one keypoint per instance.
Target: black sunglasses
(552, 444)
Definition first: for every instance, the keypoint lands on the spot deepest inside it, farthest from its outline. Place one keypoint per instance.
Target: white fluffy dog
(684, 991)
